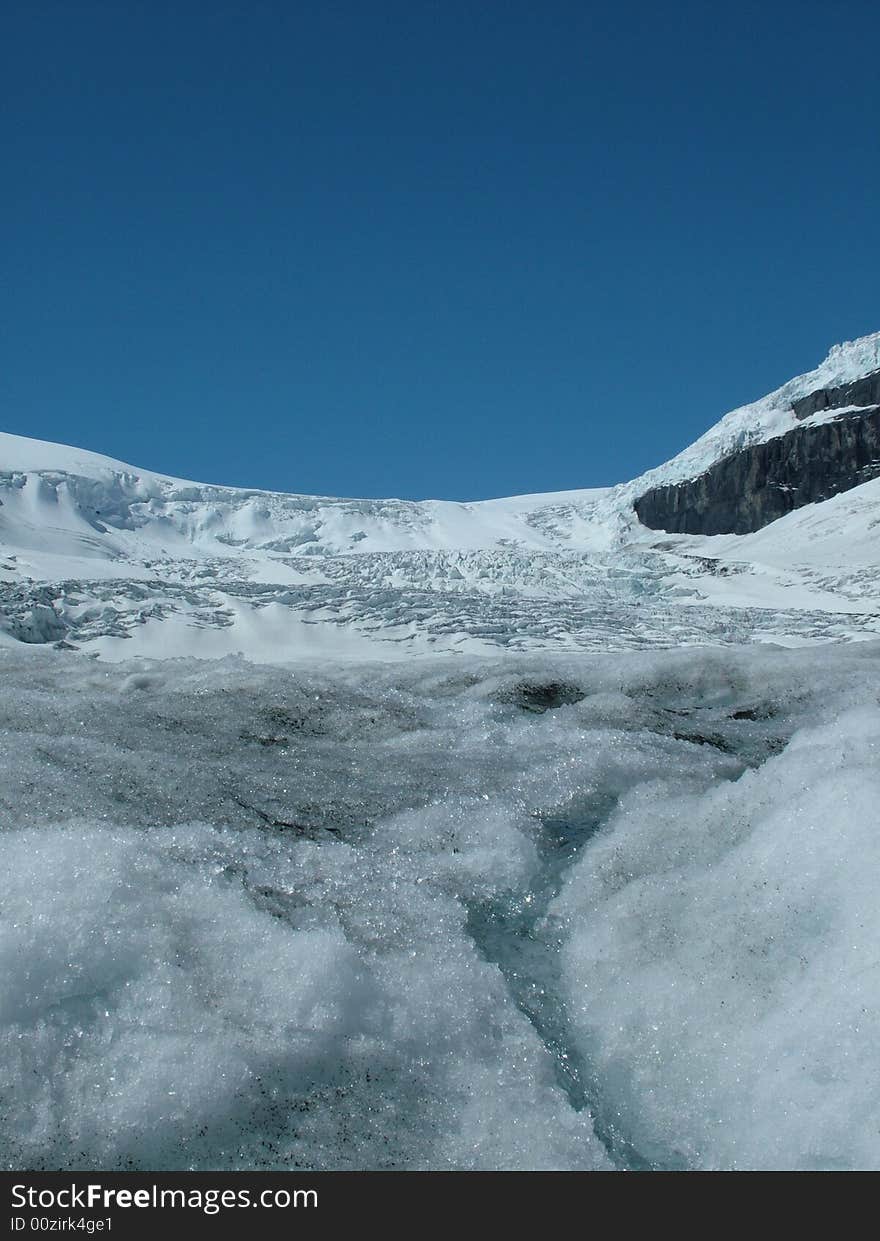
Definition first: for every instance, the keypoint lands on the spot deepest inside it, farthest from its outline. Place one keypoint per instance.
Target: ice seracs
(119, 561)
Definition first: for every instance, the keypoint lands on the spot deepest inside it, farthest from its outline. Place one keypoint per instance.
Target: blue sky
(426, 249)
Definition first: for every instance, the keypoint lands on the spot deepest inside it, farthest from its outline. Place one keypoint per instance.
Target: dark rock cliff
(862, 392)
(755, 486)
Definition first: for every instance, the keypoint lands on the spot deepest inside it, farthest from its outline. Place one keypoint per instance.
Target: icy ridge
(767, 417)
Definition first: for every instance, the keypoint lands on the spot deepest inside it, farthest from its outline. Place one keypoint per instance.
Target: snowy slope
(97, 552)
(770, 416)
(58, 504)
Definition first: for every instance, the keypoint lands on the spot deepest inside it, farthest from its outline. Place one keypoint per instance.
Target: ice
(568, 911)
(126, 563)
(768, 417)
(346, 833)
(720, 959)
(186, 997)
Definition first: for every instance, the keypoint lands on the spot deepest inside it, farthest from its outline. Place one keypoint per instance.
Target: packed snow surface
(595, 911)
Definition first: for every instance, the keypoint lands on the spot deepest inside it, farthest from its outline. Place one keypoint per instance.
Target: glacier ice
(550, 911)
(126, 563)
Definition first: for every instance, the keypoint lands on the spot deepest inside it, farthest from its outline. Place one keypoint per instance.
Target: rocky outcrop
(860, 392)
(749, 489)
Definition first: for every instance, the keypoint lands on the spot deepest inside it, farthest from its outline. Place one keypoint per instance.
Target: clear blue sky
(452, 249)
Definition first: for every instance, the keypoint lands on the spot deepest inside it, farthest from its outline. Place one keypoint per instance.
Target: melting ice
(587, 911)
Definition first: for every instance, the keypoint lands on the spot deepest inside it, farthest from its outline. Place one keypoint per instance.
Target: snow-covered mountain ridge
(98, 553)
(771, 416)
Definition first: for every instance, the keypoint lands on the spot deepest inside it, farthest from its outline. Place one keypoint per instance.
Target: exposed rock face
(751, 488)
(864, 392)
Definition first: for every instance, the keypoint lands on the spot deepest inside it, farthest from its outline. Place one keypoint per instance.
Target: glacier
(121, 562)
(390, 834)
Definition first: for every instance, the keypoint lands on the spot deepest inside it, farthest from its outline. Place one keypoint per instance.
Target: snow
(769, 417)
(832, 415)
(134, 563)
